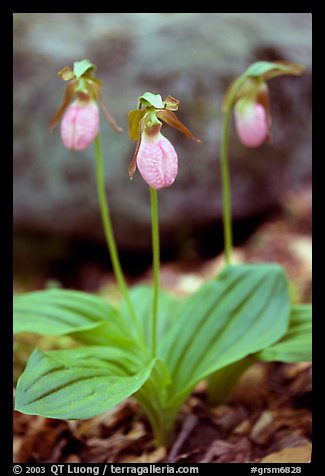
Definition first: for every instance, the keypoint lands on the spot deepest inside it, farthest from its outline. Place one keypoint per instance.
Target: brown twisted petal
(170, 118)
(133, 164)
(171, 103)
(66, 100)
(110, 119)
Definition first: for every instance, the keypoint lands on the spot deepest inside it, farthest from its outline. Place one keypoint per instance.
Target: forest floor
(267, 418)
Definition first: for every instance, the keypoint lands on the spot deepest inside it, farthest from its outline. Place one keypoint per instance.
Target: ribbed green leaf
(296, 345)
(152, 397)
(58, 312)
(78, 383)
(168, 310)
(241, 312)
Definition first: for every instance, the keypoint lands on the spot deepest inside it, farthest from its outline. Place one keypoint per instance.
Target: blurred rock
(192, 56)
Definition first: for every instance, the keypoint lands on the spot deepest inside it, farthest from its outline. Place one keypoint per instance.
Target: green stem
(225, 175)
(110, 235)
(222, 382)
(156, 261)
(226, 189)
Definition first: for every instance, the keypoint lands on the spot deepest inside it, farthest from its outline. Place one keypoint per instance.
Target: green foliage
(77, 383)
(296, 345)
(169, 307)
(233, 320)
(226, 320)
(57, 312)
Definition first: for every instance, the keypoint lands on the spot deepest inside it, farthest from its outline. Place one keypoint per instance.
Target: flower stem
(156, 261)
(226, 189)
(225, 175)
(106, 219)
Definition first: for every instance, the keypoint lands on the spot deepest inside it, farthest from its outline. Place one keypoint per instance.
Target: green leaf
(134, 120)
(57, 312)
(149, 99)
(296, 345)
(241, 312)
(268, 70)
(77, 383)
(221, 383)
(152, 397)
(104, 335)
(81, 67)
(168, 310)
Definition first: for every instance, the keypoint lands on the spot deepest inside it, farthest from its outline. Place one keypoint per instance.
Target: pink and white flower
(155, 156)
(251, 122)
(252, 117)
(80, 124)
(157, 161)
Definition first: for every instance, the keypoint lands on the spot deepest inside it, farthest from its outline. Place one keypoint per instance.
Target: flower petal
(252, 122)
(170, 118)
(67, 98)
(157, 162)
(80, 125)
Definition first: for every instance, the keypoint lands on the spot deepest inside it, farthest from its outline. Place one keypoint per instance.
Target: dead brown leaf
(299, 454)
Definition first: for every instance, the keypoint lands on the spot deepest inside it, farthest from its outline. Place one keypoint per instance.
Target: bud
(251, 122)
(157, 160)
(252, 117)
(248, 95)
(80, 124)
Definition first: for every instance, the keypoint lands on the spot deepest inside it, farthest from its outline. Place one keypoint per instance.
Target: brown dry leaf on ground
(299, 454)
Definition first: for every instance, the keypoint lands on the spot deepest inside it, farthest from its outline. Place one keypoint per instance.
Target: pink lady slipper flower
(249, 96)
(80, 124)
(155, 155)
(80, 121)
(252, 117)
(156, 158)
